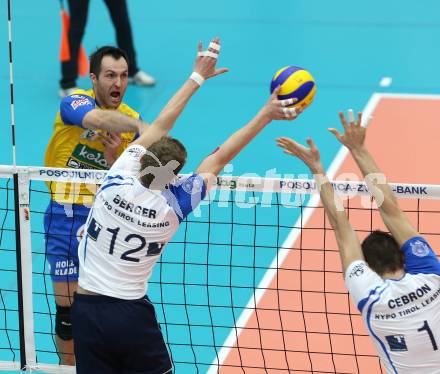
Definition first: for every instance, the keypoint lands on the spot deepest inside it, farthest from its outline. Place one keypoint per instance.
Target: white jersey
(128, 227)
(402, 315)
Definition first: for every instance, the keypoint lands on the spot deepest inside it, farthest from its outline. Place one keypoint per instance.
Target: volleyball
(296, 83)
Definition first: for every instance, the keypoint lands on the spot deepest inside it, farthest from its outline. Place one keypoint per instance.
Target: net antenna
(16, 201)
(11, 82)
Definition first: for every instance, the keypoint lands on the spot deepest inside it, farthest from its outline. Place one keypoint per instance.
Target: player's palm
(354, 133)
(206, 65)
(310, 156)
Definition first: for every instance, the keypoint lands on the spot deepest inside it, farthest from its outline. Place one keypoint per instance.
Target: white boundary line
(293, 236)
(408, 96)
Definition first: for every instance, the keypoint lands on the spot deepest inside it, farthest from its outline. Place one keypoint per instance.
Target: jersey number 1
(426, 328)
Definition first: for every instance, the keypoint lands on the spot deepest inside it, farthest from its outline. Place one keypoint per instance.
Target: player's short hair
(108, 50)
(382, 252)
(165, 150)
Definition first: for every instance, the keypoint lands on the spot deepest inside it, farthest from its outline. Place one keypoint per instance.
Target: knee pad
(63, 324)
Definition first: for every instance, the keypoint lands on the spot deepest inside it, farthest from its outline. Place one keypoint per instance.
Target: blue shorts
(63, 227)
(113, 336)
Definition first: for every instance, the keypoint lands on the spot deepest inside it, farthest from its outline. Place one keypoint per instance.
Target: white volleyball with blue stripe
(296, 83)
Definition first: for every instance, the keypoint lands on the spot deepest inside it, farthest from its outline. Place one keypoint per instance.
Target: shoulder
(362, 282)
(359, 270)
(185, 194)
(81, 91)
(420, 257)
(74, 107)
(78, 98)
(124, 108)
(188, 185)
(128, 163)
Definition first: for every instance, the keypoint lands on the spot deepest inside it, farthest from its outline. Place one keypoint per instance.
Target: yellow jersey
(72, 146)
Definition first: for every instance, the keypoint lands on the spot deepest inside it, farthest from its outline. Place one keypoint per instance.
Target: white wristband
(196, 77)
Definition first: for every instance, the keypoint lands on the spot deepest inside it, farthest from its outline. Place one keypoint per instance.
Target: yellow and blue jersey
(72, 146)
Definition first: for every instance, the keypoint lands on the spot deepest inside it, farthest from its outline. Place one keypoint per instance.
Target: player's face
(112, 82)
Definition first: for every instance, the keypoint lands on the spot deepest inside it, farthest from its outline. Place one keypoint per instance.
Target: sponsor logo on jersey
(72, 163)
(136, 152)
(357, 271)
(419, 248)
(80, 102)
(154, 249)
(192, 186)
(93, 229)
(396, 342)
(89, 134)
(65, 267)
(92, 157)
(75, 164)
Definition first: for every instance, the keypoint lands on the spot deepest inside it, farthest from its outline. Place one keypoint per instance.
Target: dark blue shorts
(63, 225)
(117, 336)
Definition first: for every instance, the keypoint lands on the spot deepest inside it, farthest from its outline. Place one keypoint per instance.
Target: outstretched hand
(280, 109)
(310, 156)
(206, 61)
(354, 133)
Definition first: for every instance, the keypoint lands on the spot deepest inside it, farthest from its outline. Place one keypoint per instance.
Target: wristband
(196, 77)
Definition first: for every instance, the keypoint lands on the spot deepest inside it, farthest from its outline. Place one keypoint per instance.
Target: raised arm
(204, 68)
(393, 217)
(80, 110)
(274, 109)
(348, 243)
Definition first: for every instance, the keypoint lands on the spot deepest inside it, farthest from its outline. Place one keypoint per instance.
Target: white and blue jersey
(129, 226)
(402, 315)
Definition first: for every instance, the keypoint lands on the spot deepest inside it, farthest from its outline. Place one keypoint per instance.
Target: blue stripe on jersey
(105, 186)
(371, 330)
(362, 303)
(111, 177)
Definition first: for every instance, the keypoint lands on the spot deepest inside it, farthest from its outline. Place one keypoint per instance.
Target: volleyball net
(251, 282)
